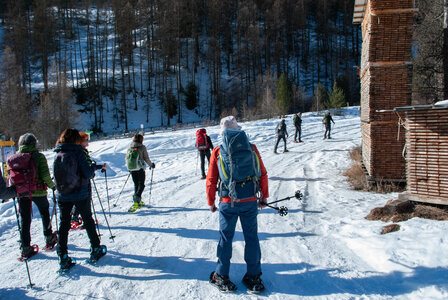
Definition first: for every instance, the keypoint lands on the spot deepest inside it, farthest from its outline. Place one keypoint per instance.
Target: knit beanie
(229, 123)
(27, 139)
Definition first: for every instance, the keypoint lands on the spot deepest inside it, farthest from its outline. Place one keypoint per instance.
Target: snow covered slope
(323, 249)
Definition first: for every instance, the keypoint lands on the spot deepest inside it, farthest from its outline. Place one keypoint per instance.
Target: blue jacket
(86, 172)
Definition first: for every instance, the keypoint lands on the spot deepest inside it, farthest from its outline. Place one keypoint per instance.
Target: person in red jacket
(229, 212)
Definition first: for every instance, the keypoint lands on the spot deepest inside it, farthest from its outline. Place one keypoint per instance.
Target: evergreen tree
(337, 97)
(283, 94)
(191, 95)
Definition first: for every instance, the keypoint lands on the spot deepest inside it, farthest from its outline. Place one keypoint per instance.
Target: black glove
(153, 165)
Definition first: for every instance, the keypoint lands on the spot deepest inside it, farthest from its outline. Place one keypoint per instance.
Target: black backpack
(66, 172)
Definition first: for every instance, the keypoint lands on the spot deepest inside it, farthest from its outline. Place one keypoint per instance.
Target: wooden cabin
(386, 78)
(426, 152)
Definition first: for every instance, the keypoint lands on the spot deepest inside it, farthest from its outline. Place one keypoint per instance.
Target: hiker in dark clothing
(297, 120)
(6, 192)
(28, 144)
(204, 149)
(281, 133)
(76, 220)
(327, 121)
(72, 174)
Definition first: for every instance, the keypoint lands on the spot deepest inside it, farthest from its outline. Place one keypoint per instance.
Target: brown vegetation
(357, 177)
(402, 210)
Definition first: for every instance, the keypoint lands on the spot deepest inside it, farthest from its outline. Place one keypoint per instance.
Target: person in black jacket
(205, 152)
(297, 120)
(72, 174)
(327, 121)
(281, 133)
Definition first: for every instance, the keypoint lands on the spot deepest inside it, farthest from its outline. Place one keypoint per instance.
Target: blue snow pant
(228, 216)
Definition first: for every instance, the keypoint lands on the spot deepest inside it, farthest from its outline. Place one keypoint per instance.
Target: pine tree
(191, 95)
(337, 97)
(283, 95)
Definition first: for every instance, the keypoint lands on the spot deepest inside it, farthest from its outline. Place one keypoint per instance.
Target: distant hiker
(204, 144)
(297, 121)
(326, 120)
(29, 162)
(237, 166)
(76, 221)
(72, 174)
(6, 192)
(136, 157)
(281, 132)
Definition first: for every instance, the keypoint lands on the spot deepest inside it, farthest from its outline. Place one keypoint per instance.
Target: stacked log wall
(427, 155)
(386, 78)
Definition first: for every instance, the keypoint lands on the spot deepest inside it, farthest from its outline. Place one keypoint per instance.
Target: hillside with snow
(323, 249)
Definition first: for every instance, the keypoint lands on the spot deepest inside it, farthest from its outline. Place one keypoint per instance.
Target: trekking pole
(298, 195)
(54, 210)
(104, 213)
(150, 184)
(96, 219)
(196, 169)
(20, 233)
(282, 210)
(107, 191)
(115, 204)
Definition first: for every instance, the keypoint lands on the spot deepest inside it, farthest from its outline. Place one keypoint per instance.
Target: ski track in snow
(323, 248)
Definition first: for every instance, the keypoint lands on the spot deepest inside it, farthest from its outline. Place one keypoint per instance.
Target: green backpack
(133, 162)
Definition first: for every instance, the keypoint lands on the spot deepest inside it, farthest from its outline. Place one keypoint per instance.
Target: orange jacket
(213, 176)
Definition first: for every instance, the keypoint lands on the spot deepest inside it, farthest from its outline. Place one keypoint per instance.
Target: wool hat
(27, 139)
(229, 123)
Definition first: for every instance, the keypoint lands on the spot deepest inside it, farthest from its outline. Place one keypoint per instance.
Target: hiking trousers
(228, 216)
(327, 130)
(298, 133)
(139, 182)
(26, 210)
(83, 207)
(280, 137)
(204, 154)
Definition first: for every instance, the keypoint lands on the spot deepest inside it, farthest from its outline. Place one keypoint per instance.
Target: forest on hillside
(176, 58)
(122, 55)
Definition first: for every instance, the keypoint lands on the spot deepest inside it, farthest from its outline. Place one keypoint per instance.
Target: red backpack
(201, 139)
(22, 173)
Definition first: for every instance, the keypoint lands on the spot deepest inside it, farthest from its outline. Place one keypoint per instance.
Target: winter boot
(50, 241)
(29, 251)
(222, 283)
(66, 262)
(254, 284)
(97, 252)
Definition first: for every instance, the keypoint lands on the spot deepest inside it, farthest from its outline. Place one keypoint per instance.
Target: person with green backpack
(136, 157)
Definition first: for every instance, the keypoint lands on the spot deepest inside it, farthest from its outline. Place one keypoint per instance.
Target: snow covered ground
(323, 249)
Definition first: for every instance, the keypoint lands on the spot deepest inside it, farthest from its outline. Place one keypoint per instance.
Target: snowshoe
(254, 284)
(96, 254)
(66, 263)
(136, 206)
(222, 283)
(203, 177)
(286, 150)
(28, 252)
(75, 225)
(51, 241)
